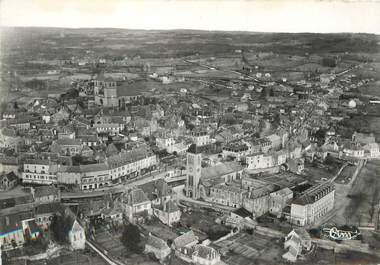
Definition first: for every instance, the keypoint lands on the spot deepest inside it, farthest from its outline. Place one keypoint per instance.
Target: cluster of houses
(24, 218)
(186, 247)
(230, 184)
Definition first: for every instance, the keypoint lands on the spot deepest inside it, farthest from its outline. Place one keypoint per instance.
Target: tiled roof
(205, 252)
(68, 141)
(155, 188)
(93, 167)
(185, 239)
(314, 194)
(242, 212)
(129, 157)
(137, 196)
(156, 242)
(11, 176)
(221, 170)
(171, 207)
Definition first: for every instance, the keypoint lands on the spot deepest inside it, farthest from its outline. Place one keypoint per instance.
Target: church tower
(193, 171)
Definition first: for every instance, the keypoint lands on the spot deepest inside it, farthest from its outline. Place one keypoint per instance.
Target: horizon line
(192, 29)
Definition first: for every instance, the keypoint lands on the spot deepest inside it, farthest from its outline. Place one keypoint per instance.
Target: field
(204, 222)
(365, 194)
(346, 174)
(244, 248)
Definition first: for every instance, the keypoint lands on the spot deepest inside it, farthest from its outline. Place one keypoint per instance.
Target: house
(205, 255)
(235, 150)
(296, 242)
(279, 199)
(137, 204)
(372, 150)
(168, 213)
(39, 171)
(157, 191)
(67, 146)
(9, 138)
(11, 230)
(8, 181)
(164, 142)
(257, 199)
(45, 194)
(114, 214)
(94, 176)
(76, 234)
(296, 165)
(239, 217)
(9, 164)
(225, 194)
(185, 240)
(109, 128)
(353, 150)
(313, 204)
(363, 138)
(157, 246)
(44, 214)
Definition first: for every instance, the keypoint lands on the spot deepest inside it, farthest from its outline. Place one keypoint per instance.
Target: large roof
(156, 242)
(185, 239)
(156, 188)
(221, 170)
(314, 194)
(137, 196)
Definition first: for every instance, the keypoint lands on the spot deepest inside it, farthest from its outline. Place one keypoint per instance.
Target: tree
(375, 200)
(131, 238)
(59, 226)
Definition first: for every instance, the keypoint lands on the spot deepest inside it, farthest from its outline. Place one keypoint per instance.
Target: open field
(365, 194)
(244, 248)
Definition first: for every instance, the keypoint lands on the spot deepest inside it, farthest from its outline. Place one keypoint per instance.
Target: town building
(8, 181)
(37, 171)
(297, 242)
(205, 255)
(315, 203)
(157, 246)
(137, 205)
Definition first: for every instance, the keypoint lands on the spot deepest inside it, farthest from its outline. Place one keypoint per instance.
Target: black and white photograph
(189, 132)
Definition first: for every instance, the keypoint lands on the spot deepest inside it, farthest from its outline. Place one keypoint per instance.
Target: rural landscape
(123, 146)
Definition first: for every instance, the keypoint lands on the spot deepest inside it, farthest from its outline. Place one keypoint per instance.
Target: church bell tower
(193, 171)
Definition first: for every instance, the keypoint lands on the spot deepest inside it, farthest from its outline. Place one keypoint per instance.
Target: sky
(242, 15)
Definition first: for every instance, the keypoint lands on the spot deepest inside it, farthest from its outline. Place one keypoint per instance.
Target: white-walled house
(315, 203)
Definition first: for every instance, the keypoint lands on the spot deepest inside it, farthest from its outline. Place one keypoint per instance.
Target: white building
(164, 142)
(353, 150)
(137, 204)
(313, 205)
(131, 162)
(168, 213)
(39, 172)
(200, 137)
(372, 149)
(111, 128)
(205, 255)
(94, 176)
(157, 246)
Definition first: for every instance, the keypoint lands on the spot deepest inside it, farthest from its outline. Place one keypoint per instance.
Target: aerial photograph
(189, 132)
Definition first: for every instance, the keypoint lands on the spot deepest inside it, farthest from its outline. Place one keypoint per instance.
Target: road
(341, 200)
(115, 189)
(102, 253)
